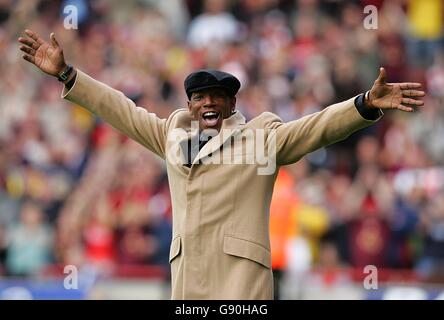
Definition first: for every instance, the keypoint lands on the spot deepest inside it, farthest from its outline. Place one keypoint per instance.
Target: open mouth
(210, 118)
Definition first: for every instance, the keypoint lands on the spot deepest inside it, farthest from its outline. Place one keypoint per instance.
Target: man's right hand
(48, 57)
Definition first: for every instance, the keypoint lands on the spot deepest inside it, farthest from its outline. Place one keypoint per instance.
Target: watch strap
(65, 73)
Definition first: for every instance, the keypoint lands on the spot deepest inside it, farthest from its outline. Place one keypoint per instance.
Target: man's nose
(209, 100)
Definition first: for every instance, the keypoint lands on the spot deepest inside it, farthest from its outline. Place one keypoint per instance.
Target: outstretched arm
(109, 104)
(336, 122)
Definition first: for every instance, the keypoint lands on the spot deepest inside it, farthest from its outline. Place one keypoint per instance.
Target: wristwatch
(65, 73)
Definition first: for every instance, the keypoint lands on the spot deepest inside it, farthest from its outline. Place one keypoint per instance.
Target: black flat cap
(204, 79)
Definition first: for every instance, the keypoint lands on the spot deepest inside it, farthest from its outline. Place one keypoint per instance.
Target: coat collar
(235, 120)
(230, 126)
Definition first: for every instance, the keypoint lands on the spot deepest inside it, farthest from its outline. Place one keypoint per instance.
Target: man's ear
(189, 106)
(233, 104)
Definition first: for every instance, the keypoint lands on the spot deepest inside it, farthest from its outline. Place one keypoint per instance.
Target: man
(220, 246)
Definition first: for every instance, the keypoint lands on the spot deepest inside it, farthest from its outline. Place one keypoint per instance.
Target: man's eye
(219, 94)
(197, 97)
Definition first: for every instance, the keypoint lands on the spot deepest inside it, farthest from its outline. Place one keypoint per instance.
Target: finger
(53, 40)
(413, 93)
(410, 85)
(29, 58)
(29, 43)
(28, 50)
(404, 108)
(412, 102)
(382, 78)
(34, 36)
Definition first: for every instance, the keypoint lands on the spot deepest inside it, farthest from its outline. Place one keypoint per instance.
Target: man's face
(210, 107)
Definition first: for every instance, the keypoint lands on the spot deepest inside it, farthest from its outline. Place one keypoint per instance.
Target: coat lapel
(229, 127)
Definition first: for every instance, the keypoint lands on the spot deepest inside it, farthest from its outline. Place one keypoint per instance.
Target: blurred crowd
(73, 191)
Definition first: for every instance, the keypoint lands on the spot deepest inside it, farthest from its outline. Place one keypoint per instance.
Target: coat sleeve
(296, 138)
(119, 111)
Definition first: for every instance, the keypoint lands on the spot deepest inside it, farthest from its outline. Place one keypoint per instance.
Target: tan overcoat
(220, 247)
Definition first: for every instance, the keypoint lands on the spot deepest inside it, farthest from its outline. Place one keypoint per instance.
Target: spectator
(214, 25)
(29, 243)
(431, 263)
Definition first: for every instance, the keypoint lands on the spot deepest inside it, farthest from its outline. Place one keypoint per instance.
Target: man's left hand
(403, 96)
